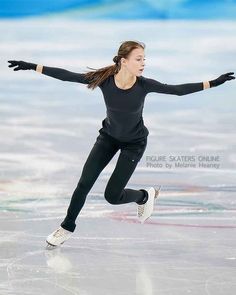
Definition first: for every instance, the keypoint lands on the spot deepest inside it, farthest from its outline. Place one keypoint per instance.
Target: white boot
(59, 236)
(145, 211)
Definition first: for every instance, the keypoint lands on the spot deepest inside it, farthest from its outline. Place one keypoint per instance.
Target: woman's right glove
(21, 65)
(222, 79)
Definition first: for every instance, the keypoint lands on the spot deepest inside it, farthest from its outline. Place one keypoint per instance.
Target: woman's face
(135, 62)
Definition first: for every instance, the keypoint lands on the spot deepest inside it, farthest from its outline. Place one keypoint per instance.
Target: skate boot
(145, 210)
(58, 237)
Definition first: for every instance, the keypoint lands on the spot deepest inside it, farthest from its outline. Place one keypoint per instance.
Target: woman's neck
(124, 80)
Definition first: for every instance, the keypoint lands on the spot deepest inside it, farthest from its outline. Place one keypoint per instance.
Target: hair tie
(116, 59)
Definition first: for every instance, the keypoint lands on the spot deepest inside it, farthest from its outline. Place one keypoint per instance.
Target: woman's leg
(102, 152)
(115, 192)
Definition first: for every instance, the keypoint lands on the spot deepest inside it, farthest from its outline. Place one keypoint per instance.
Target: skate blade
(143, 221)
(157, 191)
(50, 246)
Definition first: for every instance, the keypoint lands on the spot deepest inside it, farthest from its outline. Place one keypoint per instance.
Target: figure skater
(124, 90)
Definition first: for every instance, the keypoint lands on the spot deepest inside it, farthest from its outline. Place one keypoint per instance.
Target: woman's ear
(123, 61)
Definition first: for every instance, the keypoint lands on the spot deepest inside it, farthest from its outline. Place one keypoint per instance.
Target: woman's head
(130, 57)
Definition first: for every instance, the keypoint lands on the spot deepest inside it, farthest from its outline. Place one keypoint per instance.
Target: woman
(124, 90)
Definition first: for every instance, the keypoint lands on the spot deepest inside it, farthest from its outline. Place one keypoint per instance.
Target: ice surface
(48, 127)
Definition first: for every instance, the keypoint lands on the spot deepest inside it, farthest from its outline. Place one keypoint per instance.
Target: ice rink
(47, 129)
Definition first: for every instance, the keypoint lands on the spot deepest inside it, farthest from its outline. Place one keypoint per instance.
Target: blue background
(102, 9)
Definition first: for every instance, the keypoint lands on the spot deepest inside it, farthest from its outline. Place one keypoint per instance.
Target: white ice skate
(58, 237)
(145, 211)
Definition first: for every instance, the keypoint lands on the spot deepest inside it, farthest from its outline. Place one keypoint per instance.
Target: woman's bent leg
(115, 193)
(100, 155)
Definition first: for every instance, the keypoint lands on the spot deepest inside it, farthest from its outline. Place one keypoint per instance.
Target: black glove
(222, 79)
(21, 65)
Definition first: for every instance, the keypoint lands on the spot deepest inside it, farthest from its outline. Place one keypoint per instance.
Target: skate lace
(59, 233)
(140, 210)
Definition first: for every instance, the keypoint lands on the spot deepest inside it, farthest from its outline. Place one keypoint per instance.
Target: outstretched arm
(64, 75)
(152, 85)
(57, 73)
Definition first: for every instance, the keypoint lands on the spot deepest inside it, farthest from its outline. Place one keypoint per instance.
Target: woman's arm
(57, 73)
(62, 74)
(152, 85)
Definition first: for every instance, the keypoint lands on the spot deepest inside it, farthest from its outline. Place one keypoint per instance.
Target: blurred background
(130, 9)
(48, 127)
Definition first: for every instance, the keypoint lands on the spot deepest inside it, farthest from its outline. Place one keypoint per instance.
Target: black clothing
(101, 154)
(124, 119)
(220, 80)
(21, 65)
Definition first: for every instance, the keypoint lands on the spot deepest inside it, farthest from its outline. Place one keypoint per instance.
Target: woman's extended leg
(102, 152)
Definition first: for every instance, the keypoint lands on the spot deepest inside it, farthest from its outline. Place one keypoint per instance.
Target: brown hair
(97, 76)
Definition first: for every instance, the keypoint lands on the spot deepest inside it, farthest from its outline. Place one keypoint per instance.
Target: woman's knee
(112, 195)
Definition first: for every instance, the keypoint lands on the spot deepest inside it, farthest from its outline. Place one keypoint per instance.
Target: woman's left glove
(222, 79)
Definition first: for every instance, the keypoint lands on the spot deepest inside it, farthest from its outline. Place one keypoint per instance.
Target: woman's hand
(222, 79)
(21, 65)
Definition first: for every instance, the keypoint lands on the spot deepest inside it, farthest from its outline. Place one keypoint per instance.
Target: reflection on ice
(57, 261)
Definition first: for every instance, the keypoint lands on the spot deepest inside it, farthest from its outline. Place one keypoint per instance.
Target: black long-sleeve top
(124, 120)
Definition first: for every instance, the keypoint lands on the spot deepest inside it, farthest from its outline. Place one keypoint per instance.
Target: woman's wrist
(206, 85)
(39, 68)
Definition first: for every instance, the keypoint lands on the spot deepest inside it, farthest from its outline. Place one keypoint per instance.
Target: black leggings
(101, 154)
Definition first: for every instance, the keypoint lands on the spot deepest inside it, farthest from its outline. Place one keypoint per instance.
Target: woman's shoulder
(143, 80)
(105, 82)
